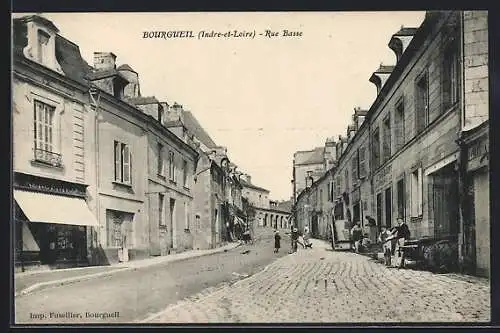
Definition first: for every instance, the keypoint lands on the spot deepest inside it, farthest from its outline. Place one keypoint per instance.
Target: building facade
(53, 221)
(423, 137)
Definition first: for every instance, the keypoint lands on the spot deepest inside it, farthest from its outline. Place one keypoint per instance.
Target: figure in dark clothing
(295, 239)
(277, 239)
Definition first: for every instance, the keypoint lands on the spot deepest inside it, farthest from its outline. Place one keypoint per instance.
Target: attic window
(43, 42)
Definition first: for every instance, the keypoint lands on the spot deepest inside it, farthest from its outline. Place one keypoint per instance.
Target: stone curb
(61, 282)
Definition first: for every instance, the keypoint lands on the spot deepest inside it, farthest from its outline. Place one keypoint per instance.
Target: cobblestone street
(322, 286)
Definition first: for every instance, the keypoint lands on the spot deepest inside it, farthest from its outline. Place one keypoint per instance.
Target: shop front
(52, 223)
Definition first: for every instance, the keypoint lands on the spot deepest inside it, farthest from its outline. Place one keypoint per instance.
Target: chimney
(380, 76)
(104, 61)
(400, 41)
(175, 112)
(359, 117)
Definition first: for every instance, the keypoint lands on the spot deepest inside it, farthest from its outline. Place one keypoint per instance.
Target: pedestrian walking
(295, 239)
(277, 239)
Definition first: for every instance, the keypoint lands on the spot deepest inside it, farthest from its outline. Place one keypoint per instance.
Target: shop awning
(58, 209)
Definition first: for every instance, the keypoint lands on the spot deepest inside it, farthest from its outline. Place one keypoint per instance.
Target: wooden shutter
(118, 168)
(126, 163)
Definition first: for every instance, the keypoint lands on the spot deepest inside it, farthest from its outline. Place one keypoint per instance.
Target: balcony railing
(48, 157)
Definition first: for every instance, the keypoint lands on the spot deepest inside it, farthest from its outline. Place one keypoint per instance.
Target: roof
(250, 185)
(197, 130)
(406, 32)
(314, 156)
(173, 123)
(67, 53)
(142, 100)
(125, 67)
(385, 69)
(40, 19)
(285, 205)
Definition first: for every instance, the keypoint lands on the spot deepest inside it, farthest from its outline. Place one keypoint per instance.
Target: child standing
(277, 239)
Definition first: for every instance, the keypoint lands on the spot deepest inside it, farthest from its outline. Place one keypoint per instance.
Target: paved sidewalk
(28, 282)
(318, 285)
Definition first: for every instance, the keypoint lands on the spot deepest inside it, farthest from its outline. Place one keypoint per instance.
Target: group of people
(295, 239)
(390, 237)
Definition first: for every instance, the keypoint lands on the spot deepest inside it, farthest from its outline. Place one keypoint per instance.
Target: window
(346, 179)
(123, 163)
(450, 76)
(388, 207)
(338, 211)
(400, 188)
(185, 173)
(387, 138)
(186, 216)
(321, 195)
(376, 148)
(161, 166)
(161, 209)
(362, 162)
(171, 165)
(43, 42)
(416, 193)
(356, 212)
(44, 134)
(161, 112)
(338, 186)
(379, 209)
(422, 103)
(400, 125)
(354, 167)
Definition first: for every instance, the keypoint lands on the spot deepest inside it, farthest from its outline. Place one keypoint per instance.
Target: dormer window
(43, 42)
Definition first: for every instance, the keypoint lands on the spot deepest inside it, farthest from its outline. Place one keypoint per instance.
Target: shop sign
(383, 176)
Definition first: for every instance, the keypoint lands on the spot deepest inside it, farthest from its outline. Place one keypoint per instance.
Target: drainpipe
(96, 146)
(462, 160)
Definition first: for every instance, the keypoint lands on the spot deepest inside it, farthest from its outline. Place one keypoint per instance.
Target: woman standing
(277, 239)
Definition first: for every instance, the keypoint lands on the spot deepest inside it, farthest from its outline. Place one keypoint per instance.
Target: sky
(262, 98)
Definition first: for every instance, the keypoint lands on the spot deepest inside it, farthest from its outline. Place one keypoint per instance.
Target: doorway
(445, 206)
(388, 207)
(173, 239)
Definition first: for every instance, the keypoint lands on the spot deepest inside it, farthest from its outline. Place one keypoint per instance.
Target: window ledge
(122, 184)
(163, 226)
(187, 231)
(42, 163)
(186, 188)
(161, 176)
(172, 182)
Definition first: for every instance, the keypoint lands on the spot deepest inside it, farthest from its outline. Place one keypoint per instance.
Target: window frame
(122, 152)
(171, 166)
(422, 107)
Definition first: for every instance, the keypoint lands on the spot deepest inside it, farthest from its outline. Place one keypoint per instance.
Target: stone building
(52, 219)
(423, 137)
(92, 158)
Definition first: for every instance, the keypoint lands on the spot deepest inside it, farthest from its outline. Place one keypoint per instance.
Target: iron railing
(48, 157)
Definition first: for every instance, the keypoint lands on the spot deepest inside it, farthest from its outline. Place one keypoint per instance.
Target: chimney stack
(104, 61)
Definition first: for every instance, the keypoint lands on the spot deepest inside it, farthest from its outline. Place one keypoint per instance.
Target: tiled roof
(142, 100)
(197, 130)
(314, 156)
(247, 184)
(69, 57)
(285, 205)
